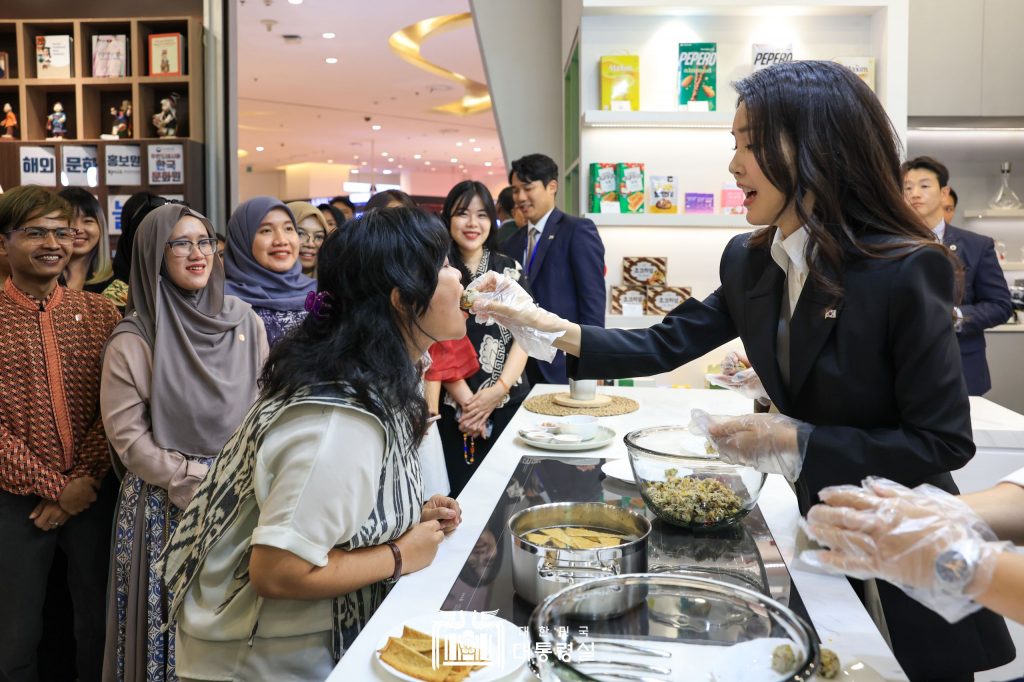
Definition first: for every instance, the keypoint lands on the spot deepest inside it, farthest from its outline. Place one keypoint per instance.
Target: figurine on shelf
(166, 120)
(56, 123)
(10, 122)
(122, 122)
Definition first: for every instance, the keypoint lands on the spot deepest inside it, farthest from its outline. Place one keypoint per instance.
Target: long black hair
(360, 339)
(86, 205)
(458, 200)
(819, 132)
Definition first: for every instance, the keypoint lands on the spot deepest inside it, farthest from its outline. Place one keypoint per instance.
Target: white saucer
(619, 469)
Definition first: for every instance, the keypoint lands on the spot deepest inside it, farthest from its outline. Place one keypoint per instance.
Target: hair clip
(318, 304)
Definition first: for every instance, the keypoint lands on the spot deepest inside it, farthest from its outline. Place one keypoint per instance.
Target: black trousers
(25, 561)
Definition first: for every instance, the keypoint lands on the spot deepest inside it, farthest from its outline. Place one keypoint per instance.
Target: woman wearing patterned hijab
(262, 264)
(179, 373)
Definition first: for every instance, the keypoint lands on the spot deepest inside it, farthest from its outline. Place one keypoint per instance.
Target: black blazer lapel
(546, 237)
(762, 326)
(812, 322)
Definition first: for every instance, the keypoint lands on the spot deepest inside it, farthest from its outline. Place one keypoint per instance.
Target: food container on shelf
(541, 571)
(684, 628)
(685, 485)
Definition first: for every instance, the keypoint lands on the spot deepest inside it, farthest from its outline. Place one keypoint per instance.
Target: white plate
(510, 646)
(619, 469)
(604, 437)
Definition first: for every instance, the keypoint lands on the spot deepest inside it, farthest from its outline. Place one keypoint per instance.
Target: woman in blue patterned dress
(261, 262)
(172, 394)
(315, 505)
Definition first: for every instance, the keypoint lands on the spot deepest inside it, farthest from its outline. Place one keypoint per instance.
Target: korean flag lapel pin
(830, 314)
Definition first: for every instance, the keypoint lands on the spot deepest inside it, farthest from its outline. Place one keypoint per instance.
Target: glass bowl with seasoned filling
(686, 485)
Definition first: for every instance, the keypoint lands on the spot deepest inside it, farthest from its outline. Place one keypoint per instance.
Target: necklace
(468, 449)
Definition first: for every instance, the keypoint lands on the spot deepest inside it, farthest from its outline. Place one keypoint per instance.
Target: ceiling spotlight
(331, 60)
(375, 126)
(417, 156)
(328, 35)
(355, 156)
(330, 160)
(391, 159)
(363, 163)
(259, 149)
(464, 170)
(384, 154)
(458, 144)
(386, 171)
(490, 172)
(400, 165)
(354, 171)
(294, 2)
(426, 163)
(472, 139)
(488, 164)
(462, 165)
(453, 159)
(476, 149)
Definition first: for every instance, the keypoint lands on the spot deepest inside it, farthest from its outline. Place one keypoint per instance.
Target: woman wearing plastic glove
(939, 548)
(844, 304)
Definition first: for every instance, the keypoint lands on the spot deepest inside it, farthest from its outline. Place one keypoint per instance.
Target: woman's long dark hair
(459, 199)
(85, 204)
(360, 339)
(817, 130)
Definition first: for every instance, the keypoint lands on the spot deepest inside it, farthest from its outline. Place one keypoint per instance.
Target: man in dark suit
(562, 256)
(510, 217)
(986, 298)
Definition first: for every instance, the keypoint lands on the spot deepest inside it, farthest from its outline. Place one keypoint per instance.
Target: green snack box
(630, 178)
(698, 65)
(602, 185)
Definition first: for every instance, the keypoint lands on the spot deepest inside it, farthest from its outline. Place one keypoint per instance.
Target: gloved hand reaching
(737, 375)
(495, 297)
(925, 541)
(770, 443)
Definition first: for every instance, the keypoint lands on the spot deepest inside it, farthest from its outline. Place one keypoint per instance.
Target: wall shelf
(1005, 214)
(632, 321)
(718, 120)
(1011, 265)
(736, 222)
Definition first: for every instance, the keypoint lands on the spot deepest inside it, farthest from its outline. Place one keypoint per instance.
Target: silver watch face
(953, 569)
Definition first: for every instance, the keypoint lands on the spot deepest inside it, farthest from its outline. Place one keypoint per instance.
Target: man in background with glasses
(53, 451)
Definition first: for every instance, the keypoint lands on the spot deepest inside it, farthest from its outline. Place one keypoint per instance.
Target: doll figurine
(166, 120)
(56, 122)
(10, 122)
(122, 120)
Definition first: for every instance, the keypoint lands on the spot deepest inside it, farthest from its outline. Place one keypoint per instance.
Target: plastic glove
(738, 376)
(770, 443)
(888, 531)
(499, 298)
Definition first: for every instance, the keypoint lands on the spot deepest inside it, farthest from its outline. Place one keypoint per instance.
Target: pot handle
(551, 570)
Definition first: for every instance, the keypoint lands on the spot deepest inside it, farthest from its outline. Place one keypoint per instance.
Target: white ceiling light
(294, 2)
(476, 149)
(363, 163)
(331, 60)
(488, 164)
(400, 165)
(426, 163)
(458, 144)
(354, 171)
(453, 159)
(375, 126)
(355, 156)
(384, 154)
(330, 160)
(328, 35)
(417, 156)
(391, 159)
(386, 171)
(259, 149)
(472, 139)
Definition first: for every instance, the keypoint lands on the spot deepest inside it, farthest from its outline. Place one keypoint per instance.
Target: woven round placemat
(545, 404)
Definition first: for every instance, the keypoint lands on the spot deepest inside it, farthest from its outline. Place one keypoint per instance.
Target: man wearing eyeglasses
(53, 452)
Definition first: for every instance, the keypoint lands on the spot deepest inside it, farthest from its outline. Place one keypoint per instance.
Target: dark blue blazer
(566, 276)
(986, 301)
(877, 374)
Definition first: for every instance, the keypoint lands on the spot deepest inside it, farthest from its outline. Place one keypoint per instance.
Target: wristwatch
(954, 571)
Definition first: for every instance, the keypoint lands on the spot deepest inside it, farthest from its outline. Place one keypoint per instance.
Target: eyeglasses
(182, 248)
(317, 239)
(63, 235)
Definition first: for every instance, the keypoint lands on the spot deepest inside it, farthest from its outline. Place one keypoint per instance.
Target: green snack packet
(698, 66)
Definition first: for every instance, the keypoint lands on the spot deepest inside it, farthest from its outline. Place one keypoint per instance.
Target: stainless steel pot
(539, 572)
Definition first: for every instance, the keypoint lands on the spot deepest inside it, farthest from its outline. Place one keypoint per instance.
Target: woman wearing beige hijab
(312, 228)
(179, 373)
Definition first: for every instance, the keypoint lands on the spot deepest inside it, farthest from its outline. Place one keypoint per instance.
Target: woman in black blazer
(871, 383)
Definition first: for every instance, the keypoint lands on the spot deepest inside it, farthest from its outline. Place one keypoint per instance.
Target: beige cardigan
(124, 401)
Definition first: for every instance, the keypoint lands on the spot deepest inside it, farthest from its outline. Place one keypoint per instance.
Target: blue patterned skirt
(139, 646)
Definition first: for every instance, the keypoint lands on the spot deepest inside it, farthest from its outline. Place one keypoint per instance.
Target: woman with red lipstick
(474, 411)
(91, 266)
(262, 266)
(844, 304)
(179, 373)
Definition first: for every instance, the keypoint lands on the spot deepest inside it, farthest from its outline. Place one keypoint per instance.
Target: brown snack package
(622, 297)
(662, 300)
(644, 271)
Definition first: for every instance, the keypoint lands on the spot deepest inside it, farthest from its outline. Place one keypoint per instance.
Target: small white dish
(604, 437)
(537, 435)
(567, 438)
(619, 469)
(582, 425)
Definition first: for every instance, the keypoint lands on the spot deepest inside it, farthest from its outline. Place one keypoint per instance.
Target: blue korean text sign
(39, 166)
(79, 166)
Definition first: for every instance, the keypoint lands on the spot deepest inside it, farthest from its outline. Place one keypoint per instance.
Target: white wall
(521, 47)
(270, 183)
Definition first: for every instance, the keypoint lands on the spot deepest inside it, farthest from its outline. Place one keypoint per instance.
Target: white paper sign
(76, 162)
(115, 202)
(166, 164)
(123, 164)
(39, 166)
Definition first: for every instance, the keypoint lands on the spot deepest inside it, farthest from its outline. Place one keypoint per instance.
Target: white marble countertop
(838, 615)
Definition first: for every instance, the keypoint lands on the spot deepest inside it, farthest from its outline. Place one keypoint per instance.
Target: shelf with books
(718, 120)
(49, 50)
(105, 49)
(9, 60)
(735, 222)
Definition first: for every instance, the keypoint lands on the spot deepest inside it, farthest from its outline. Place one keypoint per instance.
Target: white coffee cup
(582, 389)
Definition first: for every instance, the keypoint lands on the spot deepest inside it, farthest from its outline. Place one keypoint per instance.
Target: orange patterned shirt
(50, 353)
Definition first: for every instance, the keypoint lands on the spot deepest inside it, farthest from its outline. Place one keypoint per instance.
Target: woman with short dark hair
(90, 267)
(315, 506)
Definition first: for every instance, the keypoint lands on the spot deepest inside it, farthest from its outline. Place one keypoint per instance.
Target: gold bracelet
(502, 382)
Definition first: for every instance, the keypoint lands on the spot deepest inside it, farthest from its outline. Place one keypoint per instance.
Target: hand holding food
(770, 443)
(495, 297)
(737, 375)
(445, 510)
(927, 542)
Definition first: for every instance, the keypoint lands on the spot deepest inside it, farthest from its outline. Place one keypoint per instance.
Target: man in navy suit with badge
(986, 298)
(562, 256)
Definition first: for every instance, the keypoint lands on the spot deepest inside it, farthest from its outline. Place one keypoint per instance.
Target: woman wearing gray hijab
(261, 262)
(179, 374)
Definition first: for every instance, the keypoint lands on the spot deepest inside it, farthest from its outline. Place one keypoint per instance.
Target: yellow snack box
(620, 83)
